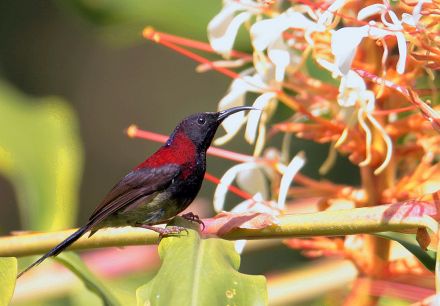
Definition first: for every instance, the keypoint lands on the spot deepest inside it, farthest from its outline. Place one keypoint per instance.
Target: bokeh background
(74, 75)
(93, 57)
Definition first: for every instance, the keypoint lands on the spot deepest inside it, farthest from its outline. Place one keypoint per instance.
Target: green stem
(327, 223)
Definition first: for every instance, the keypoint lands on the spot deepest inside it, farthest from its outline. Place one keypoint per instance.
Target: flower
(223, 28)
(267, 34)
(236, 97)
(353, 94)
(346, 40)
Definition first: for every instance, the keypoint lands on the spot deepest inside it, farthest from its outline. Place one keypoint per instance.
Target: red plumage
(181, 151)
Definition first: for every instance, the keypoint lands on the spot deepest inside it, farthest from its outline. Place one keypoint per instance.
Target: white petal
(408, 19)
(222, 19)
(370, 11)
(236, 97)
(336, 5)
(255, 83)
(350, 89)
(253, 181)
(297, 20)
(256, 204)
(222, 35)
(254, 116)
(327, 17)
(401, 45)
(396, 24)
(417, 9)
(219, 24)
(292, 169)
(250, 205)
(279, 54)
(354, 81)
(225, 181)
(375, 32)
(344, 44)
(267, 31)
(330, 67)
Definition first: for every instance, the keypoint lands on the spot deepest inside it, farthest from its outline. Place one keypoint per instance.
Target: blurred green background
(91, 55)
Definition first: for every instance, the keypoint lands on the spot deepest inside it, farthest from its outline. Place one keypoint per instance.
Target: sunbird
(159, 188)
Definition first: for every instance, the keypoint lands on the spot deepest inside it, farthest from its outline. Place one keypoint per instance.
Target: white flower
(241, 172)
(267, 31)
(353, 89)
(326, 18)
(353, 94)
(279, 55)
(409, 19)
(393, 28)
(414, 18)
(236, 97)
(346, 40)
(223, 28)
(267, 34)
(344, 44)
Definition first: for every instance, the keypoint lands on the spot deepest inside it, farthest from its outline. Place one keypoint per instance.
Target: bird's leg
(193, 218)
(167, 231)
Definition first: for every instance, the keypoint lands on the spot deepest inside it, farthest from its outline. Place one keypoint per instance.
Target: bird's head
(200, 128)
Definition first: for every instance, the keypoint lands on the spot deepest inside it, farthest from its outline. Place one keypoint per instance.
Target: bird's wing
(138, 183)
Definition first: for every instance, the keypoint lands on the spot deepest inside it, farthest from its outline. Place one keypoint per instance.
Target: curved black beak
(227, 112)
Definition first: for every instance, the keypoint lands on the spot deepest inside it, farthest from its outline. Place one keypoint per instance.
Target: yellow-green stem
(326, 223)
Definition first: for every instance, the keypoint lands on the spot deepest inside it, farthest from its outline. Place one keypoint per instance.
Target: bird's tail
(59, 248)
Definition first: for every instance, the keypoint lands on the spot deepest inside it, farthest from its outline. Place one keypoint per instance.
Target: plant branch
(407, 216)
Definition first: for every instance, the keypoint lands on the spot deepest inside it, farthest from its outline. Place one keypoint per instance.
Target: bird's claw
(167, 231)
(193, 218)
(172, 230)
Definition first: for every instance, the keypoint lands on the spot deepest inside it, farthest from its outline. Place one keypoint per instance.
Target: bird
(159, 188)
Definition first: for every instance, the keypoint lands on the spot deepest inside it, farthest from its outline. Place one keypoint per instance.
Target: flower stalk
(406, 217)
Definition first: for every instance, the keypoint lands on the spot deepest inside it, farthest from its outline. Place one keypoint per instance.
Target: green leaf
(427, 258)
(8, 275)
(74, 263)
(197, 271)
(41, 154)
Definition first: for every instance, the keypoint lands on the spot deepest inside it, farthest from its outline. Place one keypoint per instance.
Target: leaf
(427, 258)
(41, 154)
(8, 274)
(74, 263)
(197, 271)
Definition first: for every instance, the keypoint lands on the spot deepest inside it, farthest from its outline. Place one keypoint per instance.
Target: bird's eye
(201, 120)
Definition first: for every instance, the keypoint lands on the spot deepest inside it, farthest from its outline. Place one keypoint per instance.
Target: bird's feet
(167, 231)
(193, 218)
